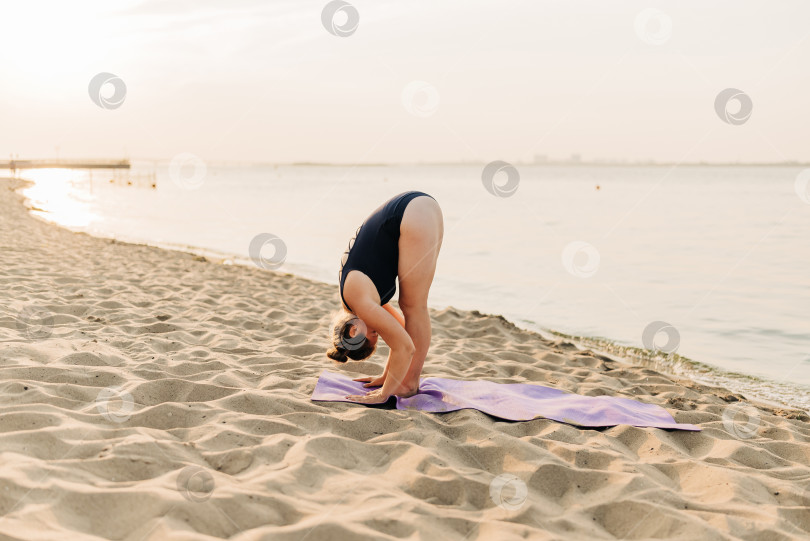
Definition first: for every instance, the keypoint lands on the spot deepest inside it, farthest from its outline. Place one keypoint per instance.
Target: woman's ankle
(410, 387)
(406, 391)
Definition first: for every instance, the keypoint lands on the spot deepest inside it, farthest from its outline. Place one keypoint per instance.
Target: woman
(399, 240)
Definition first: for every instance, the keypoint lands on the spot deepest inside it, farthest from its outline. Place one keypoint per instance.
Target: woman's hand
(372, 397)
(372, 381)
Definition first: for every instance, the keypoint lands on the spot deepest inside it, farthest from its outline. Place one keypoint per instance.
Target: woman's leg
(420, 240)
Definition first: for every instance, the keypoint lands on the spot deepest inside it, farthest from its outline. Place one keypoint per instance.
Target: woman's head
(351, 338)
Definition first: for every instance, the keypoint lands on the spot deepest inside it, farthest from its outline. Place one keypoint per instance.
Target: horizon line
(568, 162)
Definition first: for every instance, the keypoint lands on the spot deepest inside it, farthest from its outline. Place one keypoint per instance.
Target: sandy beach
(150, 394)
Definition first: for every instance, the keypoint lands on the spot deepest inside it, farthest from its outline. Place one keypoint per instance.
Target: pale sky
(249, 80)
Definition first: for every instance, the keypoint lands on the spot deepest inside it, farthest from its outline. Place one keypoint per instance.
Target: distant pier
(120, 175)
(64, 164)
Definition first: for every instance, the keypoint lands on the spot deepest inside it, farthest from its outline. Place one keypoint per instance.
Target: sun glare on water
(60, 195)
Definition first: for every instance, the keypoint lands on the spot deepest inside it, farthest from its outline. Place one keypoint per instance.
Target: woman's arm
(391, 310)
(399, 360)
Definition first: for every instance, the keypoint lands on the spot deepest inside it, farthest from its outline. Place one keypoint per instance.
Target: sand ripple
(147, 394)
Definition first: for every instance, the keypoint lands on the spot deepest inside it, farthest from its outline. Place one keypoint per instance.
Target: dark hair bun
(339, 355)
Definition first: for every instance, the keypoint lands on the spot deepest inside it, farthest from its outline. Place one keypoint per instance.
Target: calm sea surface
(721, 255)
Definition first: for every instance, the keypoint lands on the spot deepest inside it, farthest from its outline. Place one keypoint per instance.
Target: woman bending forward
(399, 240)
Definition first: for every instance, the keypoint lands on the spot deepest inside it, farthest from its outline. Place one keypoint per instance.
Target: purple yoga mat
(512, 401)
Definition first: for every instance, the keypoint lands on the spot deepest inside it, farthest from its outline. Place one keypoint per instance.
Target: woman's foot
(378, 397)
(407, 390)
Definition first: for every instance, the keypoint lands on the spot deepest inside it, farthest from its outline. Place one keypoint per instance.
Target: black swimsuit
(374, 250)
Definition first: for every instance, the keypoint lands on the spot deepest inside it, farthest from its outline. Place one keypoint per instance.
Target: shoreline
(759, 388)
(179, 389)
(677, 365)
